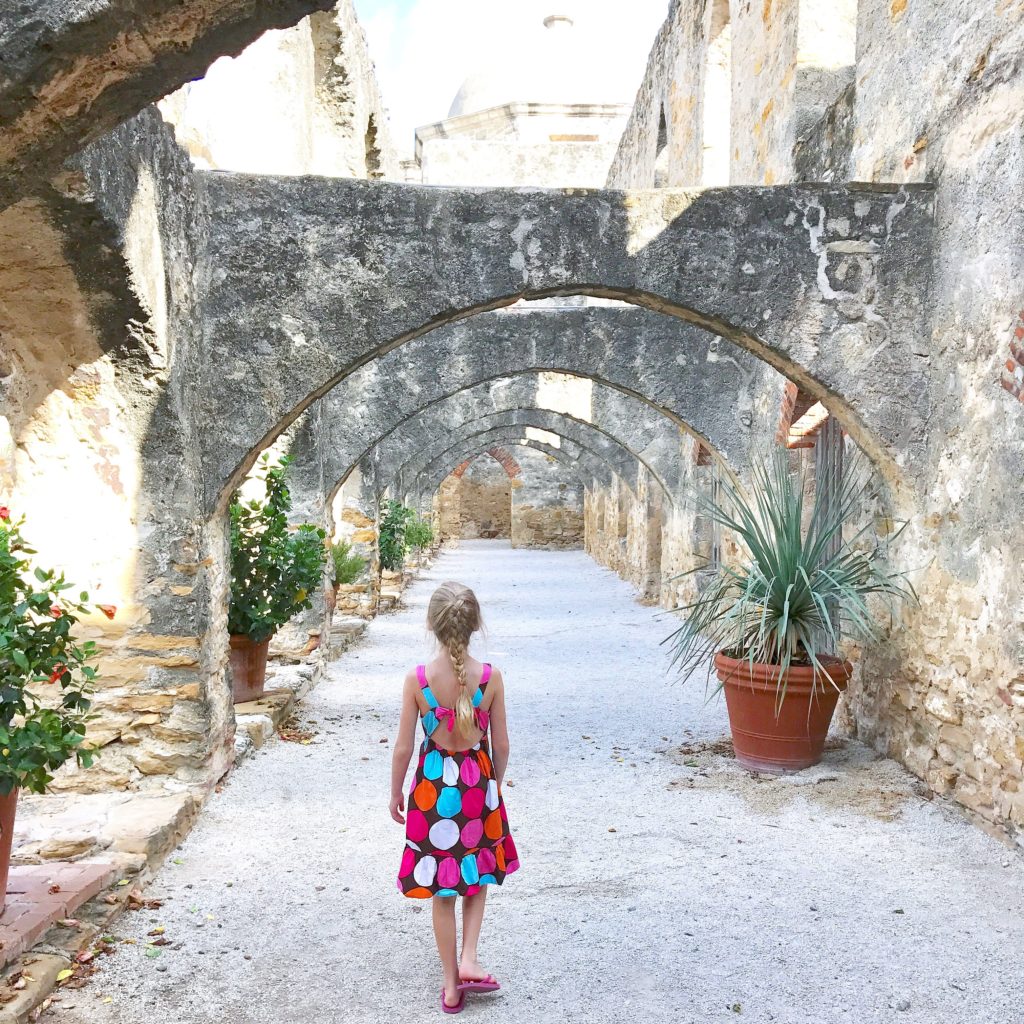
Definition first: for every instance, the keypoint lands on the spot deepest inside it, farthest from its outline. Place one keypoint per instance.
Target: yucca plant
(795, 589)
(346, 565)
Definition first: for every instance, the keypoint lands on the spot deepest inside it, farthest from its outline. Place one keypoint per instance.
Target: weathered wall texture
(730, 85)
(942, 100)
(936, 99)
(547, 504)
(302, 100)
(478, 502)
(74, 71)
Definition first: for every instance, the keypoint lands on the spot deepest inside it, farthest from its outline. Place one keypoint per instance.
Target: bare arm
(499, 727)
(404, 742)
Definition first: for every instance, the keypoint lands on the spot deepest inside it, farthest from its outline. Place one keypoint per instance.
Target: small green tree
(346, 565)
(392, 537)
(46, 675)
(419, 533)
(274, 570)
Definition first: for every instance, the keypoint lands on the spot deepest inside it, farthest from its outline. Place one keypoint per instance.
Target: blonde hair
(453, 616)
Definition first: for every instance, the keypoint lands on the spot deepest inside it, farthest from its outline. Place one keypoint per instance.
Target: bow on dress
(448, 715)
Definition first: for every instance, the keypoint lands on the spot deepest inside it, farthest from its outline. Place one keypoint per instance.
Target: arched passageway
(763, 269)
(628, 841)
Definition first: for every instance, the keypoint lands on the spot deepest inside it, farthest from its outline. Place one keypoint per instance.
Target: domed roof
(551, 65)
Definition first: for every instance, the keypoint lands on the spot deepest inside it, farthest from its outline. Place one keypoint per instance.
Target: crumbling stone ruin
(805, 231)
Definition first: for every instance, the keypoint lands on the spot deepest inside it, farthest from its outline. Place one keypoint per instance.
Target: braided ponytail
(453, 616)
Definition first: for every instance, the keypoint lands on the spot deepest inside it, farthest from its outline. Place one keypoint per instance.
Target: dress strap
(428, 696)
(485, 675)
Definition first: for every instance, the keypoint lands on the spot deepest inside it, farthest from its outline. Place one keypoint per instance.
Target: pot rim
(766, 675)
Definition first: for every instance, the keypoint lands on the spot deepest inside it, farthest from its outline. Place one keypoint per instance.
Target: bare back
(444, 684)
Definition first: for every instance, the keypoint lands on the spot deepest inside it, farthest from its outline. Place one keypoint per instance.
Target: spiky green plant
(795, 589)
(346, 565)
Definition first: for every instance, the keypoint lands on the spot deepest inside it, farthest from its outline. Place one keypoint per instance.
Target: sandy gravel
(659, 882)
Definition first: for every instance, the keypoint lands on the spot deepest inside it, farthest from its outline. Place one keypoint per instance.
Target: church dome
(551, 65)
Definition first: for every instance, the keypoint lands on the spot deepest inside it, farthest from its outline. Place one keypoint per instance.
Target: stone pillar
(354, 516)
(307, 630)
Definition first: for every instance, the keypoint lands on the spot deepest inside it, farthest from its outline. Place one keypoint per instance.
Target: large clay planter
(770, 738)
(8, 805)
(248, 668)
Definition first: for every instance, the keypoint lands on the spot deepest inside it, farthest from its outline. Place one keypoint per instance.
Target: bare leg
(472, 921)
(447, 946)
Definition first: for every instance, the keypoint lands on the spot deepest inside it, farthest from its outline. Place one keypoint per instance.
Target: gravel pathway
(659, 882)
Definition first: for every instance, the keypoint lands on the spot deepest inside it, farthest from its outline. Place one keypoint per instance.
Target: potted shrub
(392, 535)
(346, 567)
(773, 620)
(46, 677)
(274, 573)
(419, 534)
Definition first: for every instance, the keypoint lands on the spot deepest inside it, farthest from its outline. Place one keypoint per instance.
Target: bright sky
(424, 49)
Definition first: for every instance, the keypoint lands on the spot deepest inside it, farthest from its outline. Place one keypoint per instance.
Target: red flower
(58, 671)
(5, 512)
(56, 611)
(110, 610)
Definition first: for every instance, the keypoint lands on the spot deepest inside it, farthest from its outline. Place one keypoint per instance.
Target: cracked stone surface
(659, 881)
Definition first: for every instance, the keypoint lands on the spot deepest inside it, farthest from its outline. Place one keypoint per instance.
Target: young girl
(457, 840)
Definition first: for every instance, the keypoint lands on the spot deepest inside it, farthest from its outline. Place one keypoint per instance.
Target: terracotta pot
(770, 738)
(8, 805)
(248, 668)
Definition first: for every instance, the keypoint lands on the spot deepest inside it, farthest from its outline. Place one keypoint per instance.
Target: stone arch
(502, 456)
(639, 431)
(569, 455)
(114, 60)
(815, 280)
(399, 467)
(669, 365)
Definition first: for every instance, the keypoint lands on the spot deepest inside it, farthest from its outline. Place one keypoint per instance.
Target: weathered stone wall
(757, 73)
(478, 502)
(302, 100)
(942, 100)
(674, 135)
(115, 437)
(937, 100)
(75, 71)
(547, 504)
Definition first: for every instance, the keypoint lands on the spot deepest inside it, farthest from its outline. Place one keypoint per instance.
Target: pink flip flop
(488, 984)
(458, 1007)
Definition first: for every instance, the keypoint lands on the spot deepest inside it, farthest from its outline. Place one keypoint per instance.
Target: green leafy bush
(274, 570)
(419, 533)
(346, 565)
(796, 590)
(45, 674)
(392, 536)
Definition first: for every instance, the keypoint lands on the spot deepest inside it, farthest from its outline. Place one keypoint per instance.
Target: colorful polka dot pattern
(457, 837)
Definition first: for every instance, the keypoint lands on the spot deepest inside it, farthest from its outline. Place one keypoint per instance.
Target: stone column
(306, 631)
(354, 517)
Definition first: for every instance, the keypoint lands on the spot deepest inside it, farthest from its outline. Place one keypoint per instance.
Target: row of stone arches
(350, 321)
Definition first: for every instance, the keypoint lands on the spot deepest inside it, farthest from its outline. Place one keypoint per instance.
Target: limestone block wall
(354, 518)
(757, 72)
(547, 503)
(302, 100)
(477, 503)
(940, 99)
(98, 325)
(678, 133)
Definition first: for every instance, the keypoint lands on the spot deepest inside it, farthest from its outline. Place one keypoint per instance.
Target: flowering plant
(45, 673)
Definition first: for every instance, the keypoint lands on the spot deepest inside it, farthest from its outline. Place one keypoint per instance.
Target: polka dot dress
(456, 833)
